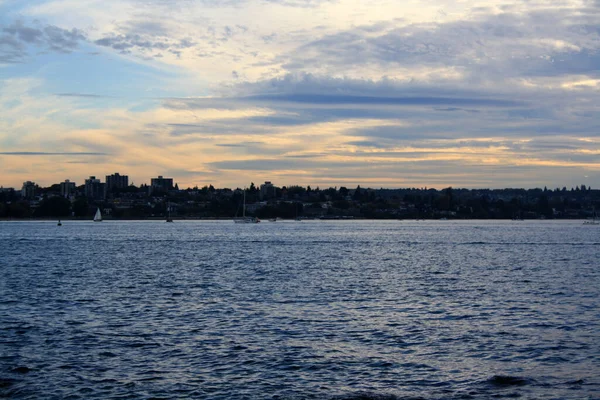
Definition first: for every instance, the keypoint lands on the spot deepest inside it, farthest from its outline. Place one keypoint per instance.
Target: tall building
(116, 181)
(28, 190)
(267, 190)
(67, 188)
(161, 184)
(94, 189)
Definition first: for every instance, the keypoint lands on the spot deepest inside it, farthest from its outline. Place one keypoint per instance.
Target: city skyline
(167, 184)
(308, 92)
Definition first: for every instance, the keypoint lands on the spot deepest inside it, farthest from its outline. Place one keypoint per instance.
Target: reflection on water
(318, 310)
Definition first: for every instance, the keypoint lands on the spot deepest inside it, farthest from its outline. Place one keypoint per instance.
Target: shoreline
(158, 219)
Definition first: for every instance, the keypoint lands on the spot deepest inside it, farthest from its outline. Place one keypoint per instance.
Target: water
(300, 310)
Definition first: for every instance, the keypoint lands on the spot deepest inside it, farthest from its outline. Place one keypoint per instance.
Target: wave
(508, 380)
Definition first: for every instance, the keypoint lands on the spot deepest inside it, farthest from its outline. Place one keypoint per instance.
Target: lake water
(300, 310)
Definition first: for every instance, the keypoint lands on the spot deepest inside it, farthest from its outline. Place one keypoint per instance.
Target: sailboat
(297, 217)
(169, 219)
(98, 216)
(244, 219)
(593, 221)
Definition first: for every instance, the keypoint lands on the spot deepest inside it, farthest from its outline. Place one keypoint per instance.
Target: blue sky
(311, 92)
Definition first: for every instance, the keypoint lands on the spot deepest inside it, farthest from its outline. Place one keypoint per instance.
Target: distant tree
(56, 206)
(357, 194)
(80, 207)
(295, 190)
(341, 204)
(18, 209)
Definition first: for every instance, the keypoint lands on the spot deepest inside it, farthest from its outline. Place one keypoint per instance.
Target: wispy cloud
(84, 95)
(45, 153)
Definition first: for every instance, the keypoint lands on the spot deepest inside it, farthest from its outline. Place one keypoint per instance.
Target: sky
(381, 93)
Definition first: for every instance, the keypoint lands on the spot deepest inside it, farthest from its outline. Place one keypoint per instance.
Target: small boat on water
(169, 219)
(98, 216)
(593, 221)
(244, 219)
(59, 223)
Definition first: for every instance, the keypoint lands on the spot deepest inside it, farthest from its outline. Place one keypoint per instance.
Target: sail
(244, 219)
(98, 216)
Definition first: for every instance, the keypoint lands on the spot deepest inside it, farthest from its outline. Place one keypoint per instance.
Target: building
(28, 190)
(67, 188)
(94, 189)
(161, 184)
(115, 182)
(267, 190)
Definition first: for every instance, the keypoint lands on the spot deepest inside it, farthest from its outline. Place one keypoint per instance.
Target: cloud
(331, 91)
(44, 153)
(344, 100)
(23, 33)
(301, 3)
(548, 42)
(84, 95)
(17, 37)
(12, 50)
(308, 90)
(62, 40)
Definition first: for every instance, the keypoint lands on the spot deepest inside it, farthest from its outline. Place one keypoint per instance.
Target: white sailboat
(244, 219)
(98, 216)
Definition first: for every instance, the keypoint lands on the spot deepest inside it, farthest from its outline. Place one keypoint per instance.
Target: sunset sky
(381, 93)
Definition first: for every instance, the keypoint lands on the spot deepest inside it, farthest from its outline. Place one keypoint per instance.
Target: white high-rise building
(67, 188)
(28, 190)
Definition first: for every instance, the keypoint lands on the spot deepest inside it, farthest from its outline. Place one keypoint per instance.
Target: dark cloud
(456, 109)
(144, 43)
(16, 38)
(336, 99)
(280, 164)
(348, 96)
(150, 37)
(11, 50)
(367, 143)
(63, 40)
(24, 33)
(541, 43)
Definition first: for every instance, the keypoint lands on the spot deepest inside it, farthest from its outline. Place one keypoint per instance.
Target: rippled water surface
(300, 310)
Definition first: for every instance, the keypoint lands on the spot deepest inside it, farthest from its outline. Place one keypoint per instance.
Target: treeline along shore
(269, 201)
